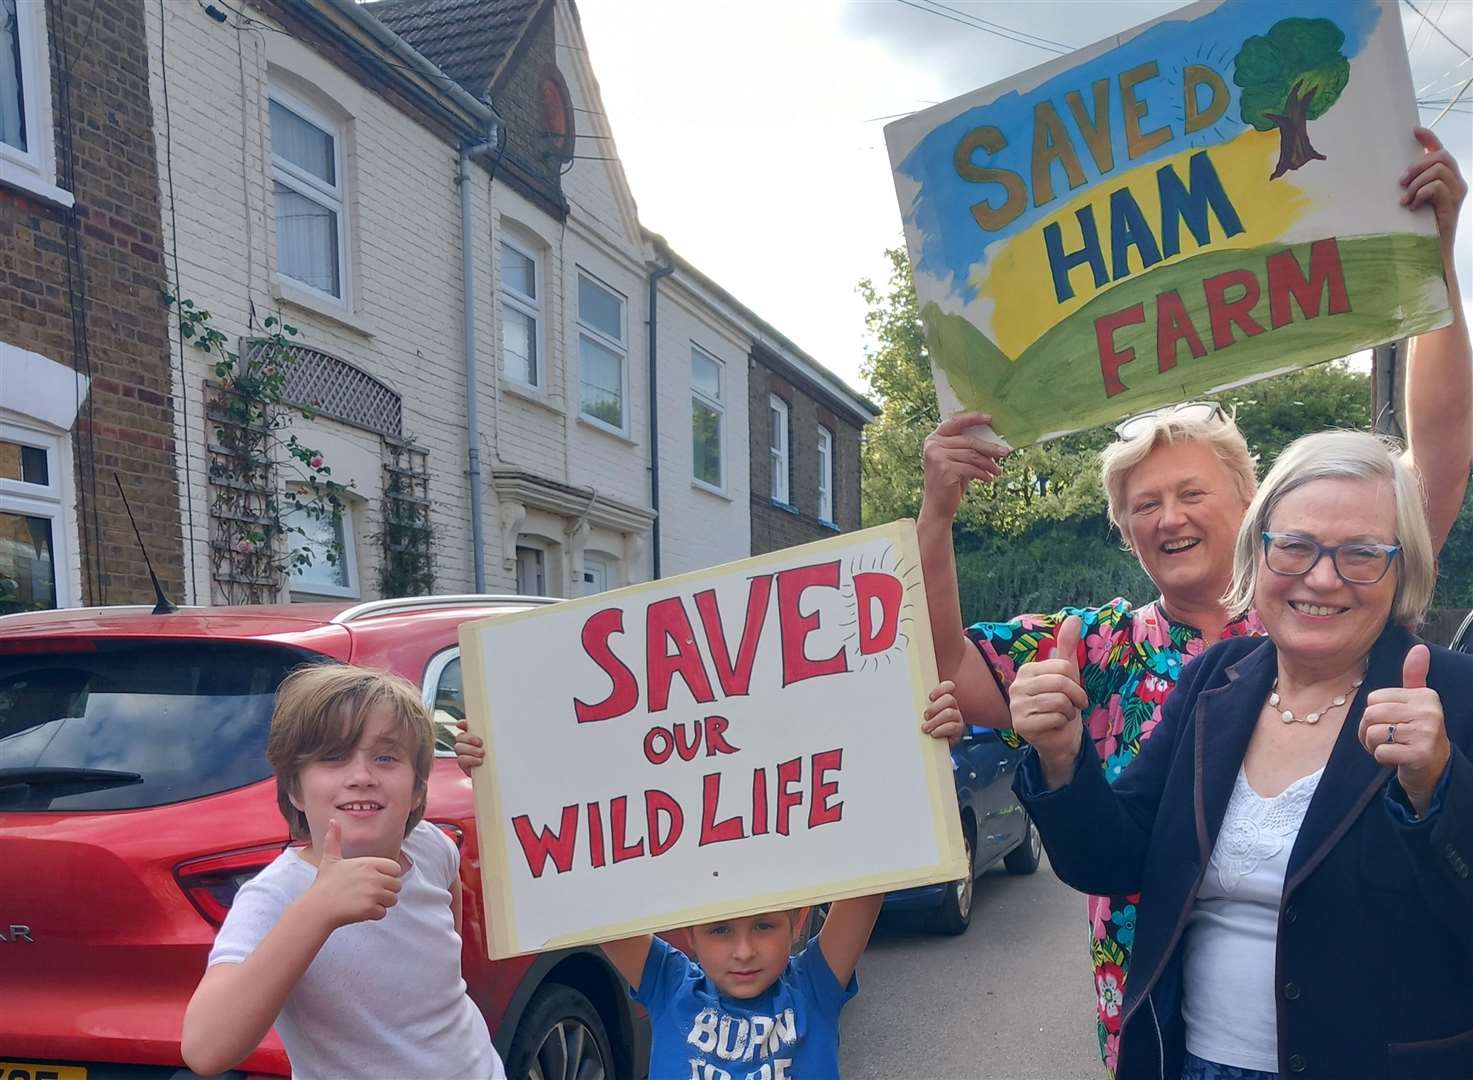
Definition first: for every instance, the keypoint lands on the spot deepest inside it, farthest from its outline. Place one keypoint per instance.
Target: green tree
(1290, 76)
(1052, 482)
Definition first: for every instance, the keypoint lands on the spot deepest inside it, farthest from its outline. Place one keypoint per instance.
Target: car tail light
(212, 882)
(455, 832)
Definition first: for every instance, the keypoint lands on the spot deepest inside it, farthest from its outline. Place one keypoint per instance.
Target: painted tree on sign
(1290, 76)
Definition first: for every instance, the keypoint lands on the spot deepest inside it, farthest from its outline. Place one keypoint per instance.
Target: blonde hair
(1218, 434)
(1343, 455)
(322, 709)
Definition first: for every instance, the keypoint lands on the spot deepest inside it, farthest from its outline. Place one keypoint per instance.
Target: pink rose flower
(245, 547)
(316, 461)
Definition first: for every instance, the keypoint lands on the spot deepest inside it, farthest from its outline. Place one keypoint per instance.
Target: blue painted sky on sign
(951, 241)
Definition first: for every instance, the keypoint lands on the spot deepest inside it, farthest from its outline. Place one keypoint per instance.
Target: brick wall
(518, 98)
(775, 526)
(126, 425)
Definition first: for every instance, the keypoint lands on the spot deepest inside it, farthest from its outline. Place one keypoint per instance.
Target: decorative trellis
(245, 515)
(320, 382)
(407, 567)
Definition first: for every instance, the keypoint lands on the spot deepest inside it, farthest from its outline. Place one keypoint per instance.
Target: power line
(1437, 29)
(1449, 106)
(948, 15)
(999, 26)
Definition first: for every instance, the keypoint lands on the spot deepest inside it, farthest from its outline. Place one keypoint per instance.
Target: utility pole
(1388, 381)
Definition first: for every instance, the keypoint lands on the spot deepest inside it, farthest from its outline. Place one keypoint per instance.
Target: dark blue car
(994, 827)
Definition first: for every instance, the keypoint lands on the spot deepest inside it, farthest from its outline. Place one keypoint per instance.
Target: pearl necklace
(1287, 715)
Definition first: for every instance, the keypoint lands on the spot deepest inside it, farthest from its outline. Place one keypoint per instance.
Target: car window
(122, 725)
(448, 704)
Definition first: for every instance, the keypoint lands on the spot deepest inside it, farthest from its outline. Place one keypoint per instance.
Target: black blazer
(1375, 937)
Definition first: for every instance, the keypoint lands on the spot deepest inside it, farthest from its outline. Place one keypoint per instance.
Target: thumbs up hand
(1403, 727)
(1046, 700)
(352, 890)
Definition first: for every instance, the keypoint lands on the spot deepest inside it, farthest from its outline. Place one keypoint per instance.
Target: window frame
(532, 307)
(34, 167)
(783, 453)
(825, 475)
(349, 557)
(599, 337)
(44, 501)
(313, 188)
(718, 406)
(429, 686)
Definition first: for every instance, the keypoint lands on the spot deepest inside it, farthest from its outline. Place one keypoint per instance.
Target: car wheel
(1023, 859)
(955, 913)
(560, 1038)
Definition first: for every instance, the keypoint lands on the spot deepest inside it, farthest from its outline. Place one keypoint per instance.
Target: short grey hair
(1343, 455)
(1220, 435)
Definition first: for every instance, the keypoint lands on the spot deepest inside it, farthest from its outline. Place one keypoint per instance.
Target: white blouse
(1232, 932)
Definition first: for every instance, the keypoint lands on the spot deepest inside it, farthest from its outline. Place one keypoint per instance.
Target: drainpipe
(662, 269)
(472, 410)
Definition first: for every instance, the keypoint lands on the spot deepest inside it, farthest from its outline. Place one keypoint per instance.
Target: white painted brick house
(310, 154)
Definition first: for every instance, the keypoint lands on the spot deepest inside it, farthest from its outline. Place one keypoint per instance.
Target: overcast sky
(751, 131)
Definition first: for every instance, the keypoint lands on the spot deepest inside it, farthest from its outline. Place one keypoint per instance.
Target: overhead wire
(1021, 33)
(1438, 30)
(962, 19)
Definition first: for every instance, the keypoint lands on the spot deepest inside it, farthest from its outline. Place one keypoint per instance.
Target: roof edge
(416, 60)
(780, 346)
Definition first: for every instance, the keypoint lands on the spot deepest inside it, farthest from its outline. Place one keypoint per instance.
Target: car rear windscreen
(125, 725)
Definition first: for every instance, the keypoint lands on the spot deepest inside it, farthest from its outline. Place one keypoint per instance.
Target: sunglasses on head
(1141, 423)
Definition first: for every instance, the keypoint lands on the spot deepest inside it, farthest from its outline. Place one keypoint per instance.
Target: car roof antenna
(163, 607)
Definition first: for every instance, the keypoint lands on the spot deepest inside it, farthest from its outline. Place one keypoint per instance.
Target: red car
(135, 798)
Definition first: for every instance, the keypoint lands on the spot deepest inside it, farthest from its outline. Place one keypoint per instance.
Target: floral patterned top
(1129, 659)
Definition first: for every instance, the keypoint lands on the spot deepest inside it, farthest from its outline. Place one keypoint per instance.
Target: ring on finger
(1391, 735)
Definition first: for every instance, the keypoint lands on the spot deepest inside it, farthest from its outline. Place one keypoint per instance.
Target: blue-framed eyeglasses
(1292, 555)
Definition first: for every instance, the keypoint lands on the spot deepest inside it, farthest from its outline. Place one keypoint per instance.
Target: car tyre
(561, 1037)
(1024, 858)
(955, 913)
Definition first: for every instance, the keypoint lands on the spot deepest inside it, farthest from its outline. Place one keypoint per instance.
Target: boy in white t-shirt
(351, 945)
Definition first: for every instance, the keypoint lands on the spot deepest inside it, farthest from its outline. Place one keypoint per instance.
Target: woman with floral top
(1177, 485)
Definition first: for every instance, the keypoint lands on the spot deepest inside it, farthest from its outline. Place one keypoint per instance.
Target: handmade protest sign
(737, 740)
(1208, 199)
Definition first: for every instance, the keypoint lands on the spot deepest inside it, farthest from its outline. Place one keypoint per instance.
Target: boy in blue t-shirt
(744, 1008)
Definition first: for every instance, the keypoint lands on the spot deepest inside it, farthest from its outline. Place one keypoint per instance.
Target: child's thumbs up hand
(1403, 727)
(352, 890)
(1046, 700)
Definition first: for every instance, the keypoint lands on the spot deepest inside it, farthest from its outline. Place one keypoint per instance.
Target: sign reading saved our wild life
(1208, 199)
(737, 740)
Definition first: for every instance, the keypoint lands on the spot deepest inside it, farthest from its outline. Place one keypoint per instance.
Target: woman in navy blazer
(1301, 830)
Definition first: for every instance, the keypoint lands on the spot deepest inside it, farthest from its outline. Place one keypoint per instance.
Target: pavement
(1011, 999)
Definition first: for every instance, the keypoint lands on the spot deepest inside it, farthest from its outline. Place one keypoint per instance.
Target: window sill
(302, 300)
(832, 526)
(19, 179)
(531, 395)
(604, 429)
(715, 492)
(317, 596)
(787, 508)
